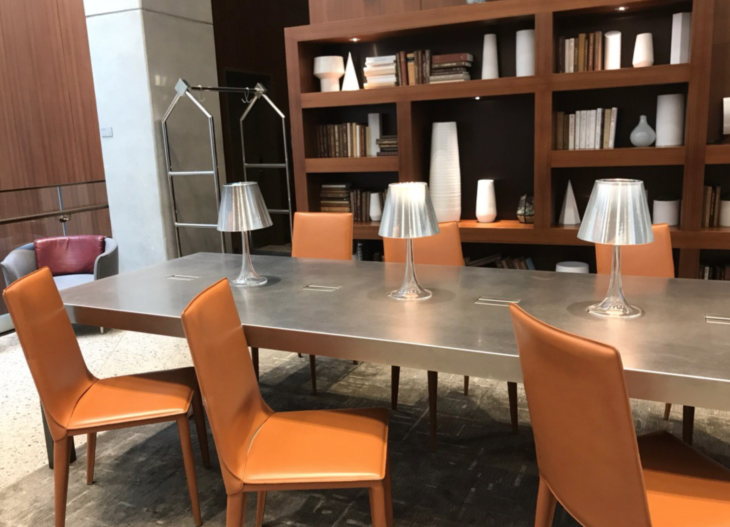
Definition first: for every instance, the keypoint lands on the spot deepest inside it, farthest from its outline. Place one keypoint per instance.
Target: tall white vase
(569, 214)
(670, 120)
(612, 50)
(525, 52)
(681, 26)
(445, 176)
(643, 51)
(486, 201)
(376, 208)
(490, 58)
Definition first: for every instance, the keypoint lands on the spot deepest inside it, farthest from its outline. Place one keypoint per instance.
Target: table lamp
(242, 210)
(617, 214)
(408, 213)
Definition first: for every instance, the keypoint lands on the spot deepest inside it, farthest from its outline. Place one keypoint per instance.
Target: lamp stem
(615, 304)
(248, 276)
(410, 289)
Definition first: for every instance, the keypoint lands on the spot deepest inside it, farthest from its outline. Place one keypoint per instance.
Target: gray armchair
(21, 261)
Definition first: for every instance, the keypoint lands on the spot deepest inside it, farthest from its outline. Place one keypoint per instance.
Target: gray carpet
(482, 475)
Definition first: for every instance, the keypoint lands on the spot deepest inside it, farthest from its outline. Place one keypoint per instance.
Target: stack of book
(714, 272)
(343, 140)
(451, 68)
(711, 207)
(380, 72)
(584, 53)
(508, 262)
(414, 68)
(388, 145)
(585, 129)
(335, 198)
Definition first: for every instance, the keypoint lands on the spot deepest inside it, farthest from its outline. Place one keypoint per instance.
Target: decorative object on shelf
(726, 116)
(376, 208)
(681, 27)
(612, 50)
(525, 54)
(643, 51)
(445, 174)
(617, 214)
(375, 127)
(381, 72)
(243, 210)
(526, 209)
(454, 67)
(643, 135)
(569, 214)
(328, 70)
(666, 210)
(725, 211)
(583, 53)
(342, 140)
(350, 83)
(670, 120)
(572, 267)
(409, 213)
(486, 201)
(585, 129)
(490, 57)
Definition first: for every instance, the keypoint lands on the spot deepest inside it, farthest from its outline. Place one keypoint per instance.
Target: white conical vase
(486, 201)
(350, 83)
(445, 175)
(569, 214)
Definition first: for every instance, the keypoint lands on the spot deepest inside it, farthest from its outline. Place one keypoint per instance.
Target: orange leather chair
(653, 259)
(261, 450)
(75, 402)
(442, 249)
(590, 461)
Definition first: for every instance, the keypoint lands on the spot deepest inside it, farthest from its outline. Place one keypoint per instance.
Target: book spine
(571, 132)
(559, 120)
(591, 51)
(591, 130)
(599, 129)
(606, 127)
(598, 59)
(581, 52)
(427, 66)
(453, 57)
(561, 55)
(614, 117)
(566, 132)
(403, 62)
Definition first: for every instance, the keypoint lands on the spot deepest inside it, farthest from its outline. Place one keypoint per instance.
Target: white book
(599, 129)
(583, 129)
(375, 124)
(571, 131)
(612, 139)
(385, 70)
(570, 49)
(382, 79)
(380, 60)
(578, 128)
(591, 130)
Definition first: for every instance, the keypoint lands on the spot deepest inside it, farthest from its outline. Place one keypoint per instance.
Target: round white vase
(643, 135)
(376, 208)
(666, 211)
(445, 173)
(486, 201)
(328, 70)
(572, 267)
(643, 51)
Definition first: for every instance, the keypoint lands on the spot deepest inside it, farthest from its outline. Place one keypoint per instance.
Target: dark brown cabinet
(334, 10)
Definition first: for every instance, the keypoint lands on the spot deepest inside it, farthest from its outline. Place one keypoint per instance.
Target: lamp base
(249, 281)
(610, 308)
(248, 277)
(411, 294)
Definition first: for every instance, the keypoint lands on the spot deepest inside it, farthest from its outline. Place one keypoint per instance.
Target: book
(571, 132)
(384, 59)
(561, 55)
(558, 139)
(598, 50)
(453, 57)
(447, 65)
(570, 56)
(612, 139)
(591, 51)
(450, 77)
(403, 64)
(411, 69)
(598, 143)
(606, 127)
(581, 52)
(590, 129)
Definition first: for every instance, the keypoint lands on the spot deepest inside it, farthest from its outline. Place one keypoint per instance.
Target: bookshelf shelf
(718, 155)
(625, 77)
(618, 157)
(329, 165)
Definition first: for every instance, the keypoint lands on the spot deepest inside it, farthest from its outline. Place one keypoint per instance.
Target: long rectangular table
(678, 351)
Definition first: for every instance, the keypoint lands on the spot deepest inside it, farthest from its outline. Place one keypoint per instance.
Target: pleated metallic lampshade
(617, 214)
(408, 212)
(243, 208)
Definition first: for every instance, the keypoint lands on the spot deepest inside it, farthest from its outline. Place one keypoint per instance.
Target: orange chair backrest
(325, 235)
(442, 249)
(652, 259)
(584, 433)
(226, 377)
(49, 345)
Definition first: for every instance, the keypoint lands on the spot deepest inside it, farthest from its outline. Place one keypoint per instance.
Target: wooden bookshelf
(538, 169)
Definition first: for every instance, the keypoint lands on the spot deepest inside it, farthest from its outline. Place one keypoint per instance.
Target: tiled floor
(482, 475)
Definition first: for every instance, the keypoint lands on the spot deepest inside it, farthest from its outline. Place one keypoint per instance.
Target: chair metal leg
(545, 506)
(466, 385)
(378, 506)
(667, 411)
(49, 442)
(313, 372)
(60, 479)
(512, 391)
(260, 508)
(90, 457)
(183, 429)
(199, 416)
(235, 509)
(688, 423)
(394, 386)
(433, 379)
(255, 360)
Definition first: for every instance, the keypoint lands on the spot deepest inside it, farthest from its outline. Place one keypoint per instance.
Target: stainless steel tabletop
(671, 353)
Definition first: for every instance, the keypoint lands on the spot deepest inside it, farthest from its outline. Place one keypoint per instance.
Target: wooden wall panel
(334, 10)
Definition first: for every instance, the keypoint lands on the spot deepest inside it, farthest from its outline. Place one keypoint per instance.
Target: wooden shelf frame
(693, 157)
(333, 165)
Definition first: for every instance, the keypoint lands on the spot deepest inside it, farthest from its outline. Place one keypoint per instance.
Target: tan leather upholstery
(441, 249)
(324, 235)
(651, 259)
(75, 402)
(261, 450)
(589, 460)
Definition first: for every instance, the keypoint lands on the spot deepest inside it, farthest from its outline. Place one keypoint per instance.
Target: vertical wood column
(543, 121)
(295, 72)
(411, 143)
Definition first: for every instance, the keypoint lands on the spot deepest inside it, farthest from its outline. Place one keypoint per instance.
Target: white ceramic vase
(329, 70)
(486, 201)
(643, 135)
(612, 50)
(666, 211)
(445, 173)
(572, 267)
(525, 52)
(376, 208)
(490, 57)
(670, 120)
(569, 214)
(643, 51)
(681, 26)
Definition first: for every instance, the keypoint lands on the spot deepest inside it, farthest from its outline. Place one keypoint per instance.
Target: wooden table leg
(466, 385)
(688, 423)
(433, 378)
(394, 385)
(512, 391)
(255, 359)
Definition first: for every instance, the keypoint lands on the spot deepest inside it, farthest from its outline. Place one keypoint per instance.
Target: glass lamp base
(411, 294)
(610, 308)
(249, 281)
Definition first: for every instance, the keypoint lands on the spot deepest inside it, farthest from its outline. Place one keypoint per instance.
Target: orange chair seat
(319, 446)
(134, 398)
(683, 487)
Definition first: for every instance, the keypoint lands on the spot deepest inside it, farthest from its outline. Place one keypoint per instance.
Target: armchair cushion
(69, 255)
